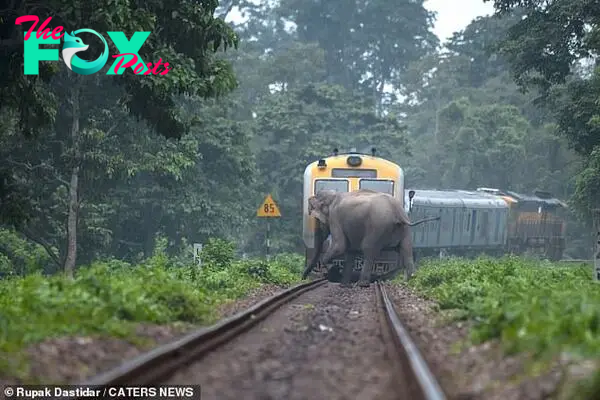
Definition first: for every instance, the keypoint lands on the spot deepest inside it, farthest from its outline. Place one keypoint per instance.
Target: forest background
(101, 166)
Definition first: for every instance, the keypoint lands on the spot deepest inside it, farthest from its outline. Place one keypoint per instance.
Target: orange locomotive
(536, 223)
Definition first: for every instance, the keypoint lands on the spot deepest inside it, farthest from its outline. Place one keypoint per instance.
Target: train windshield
(378, 185)
(353, 173)
(339, 185)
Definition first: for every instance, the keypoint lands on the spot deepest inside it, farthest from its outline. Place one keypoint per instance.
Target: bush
(218, 253)
(529, 305)
(111, 296)
(21, 257)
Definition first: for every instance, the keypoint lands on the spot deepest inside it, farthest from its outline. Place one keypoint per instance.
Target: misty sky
(455, 15)
(452, 15)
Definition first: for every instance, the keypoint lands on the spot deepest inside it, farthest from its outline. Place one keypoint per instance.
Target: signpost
(268, 209)
(198, 253)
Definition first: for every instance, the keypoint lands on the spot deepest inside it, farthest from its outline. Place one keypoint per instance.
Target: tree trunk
(71, 258)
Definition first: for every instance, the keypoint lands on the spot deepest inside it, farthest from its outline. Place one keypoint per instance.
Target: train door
(485, 236)
(497, 227)
(440, 224)
(423, 226)
(464, 237)
(458, 226)
(473, 226)
(453, 227)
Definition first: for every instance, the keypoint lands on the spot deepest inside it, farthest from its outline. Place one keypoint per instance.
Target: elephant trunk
(321, 234)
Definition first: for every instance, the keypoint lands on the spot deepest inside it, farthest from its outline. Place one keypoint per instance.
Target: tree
(296, 127)
(544, 50)
(149, 97)
(195, 70)
(366, 44)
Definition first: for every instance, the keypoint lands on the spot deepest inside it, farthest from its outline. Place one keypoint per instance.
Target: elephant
(362, 220)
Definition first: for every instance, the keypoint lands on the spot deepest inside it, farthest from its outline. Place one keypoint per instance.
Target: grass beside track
(110, 298)
(532, 306)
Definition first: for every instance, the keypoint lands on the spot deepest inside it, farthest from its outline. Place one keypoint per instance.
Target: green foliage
(19, 256)
(491, 140)
(184, 34)
(470, 126)
(297, 126)
(218, 253)
(531, 306)
(364, 37)
(110, 297)
(134, 186)
(588, 185)
(552, 49)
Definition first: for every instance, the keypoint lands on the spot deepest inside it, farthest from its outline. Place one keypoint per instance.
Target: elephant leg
(336, 249)
(348, 267)
(370, 255)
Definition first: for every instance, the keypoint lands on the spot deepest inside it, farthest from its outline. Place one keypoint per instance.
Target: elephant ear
(316, 209)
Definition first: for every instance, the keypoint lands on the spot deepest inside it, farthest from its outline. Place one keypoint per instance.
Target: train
(482, 221)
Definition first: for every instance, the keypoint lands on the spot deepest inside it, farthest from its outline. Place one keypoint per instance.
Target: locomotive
(489, 221)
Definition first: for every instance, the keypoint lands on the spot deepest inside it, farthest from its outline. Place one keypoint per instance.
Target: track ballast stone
(326, 344)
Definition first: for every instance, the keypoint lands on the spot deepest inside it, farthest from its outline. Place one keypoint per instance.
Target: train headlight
(354, 161)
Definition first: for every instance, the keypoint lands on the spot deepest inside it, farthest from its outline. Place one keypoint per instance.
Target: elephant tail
(424, 220)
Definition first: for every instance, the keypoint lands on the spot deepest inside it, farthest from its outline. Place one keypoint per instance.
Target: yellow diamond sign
(268, 208)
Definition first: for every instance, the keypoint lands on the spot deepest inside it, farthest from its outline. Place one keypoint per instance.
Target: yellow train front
(350, 172)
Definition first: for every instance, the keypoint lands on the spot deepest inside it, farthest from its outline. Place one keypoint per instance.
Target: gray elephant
(362, 220)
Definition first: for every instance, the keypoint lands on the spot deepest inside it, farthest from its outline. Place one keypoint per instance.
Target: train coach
(470, 222)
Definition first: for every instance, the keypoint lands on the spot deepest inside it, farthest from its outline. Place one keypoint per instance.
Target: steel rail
(427, 387)
(158, 364)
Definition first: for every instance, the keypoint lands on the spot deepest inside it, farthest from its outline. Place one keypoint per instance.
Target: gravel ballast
(326, 344)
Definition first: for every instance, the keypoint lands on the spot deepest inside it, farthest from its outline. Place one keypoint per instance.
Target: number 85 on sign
(268, 208)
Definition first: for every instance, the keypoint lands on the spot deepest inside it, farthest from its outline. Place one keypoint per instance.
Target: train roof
(456, 198)
(344, 156)
(341, 161)
(539, 197)
(336, 154)
(522, 198)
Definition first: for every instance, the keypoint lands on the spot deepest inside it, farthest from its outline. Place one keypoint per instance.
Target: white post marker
(198, 253)
(596, 216)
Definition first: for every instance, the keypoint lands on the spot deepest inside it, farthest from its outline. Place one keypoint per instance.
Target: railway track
(158, 365)
(423, 385)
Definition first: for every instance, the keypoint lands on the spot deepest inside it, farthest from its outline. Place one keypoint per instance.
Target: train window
(378, 185)
(339, 185)
(353, 173)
